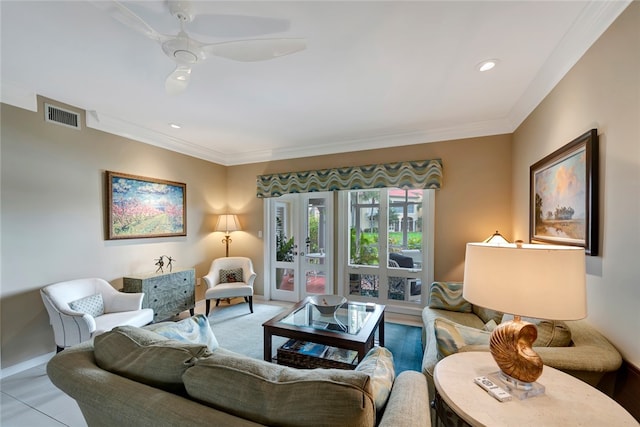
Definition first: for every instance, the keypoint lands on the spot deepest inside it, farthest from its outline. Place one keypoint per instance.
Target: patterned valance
(406, 175)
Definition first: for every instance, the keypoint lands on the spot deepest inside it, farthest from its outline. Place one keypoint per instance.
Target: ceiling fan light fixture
(487, 65)
(178, 80)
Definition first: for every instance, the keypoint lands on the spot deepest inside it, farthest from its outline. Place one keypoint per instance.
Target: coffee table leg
(267, 345)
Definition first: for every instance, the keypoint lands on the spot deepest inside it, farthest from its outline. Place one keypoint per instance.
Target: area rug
(238, 330)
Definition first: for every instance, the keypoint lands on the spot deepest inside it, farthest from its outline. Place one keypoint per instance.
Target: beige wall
(602, 91)
(53, 211)
(474, 201)
(53, 218)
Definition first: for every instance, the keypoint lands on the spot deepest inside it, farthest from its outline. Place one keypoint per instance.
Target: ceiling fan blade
(255, 49)
(123, 14)
(178, 80)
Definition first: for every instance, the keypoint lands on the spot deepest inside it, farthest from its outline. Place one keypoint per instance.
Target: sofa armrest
(590, 351)
(408, 403)
(209, 280)
(123, 301)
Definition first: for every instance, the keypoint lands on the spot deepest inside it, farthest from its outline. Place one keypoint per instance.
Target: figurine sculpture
(160, 263)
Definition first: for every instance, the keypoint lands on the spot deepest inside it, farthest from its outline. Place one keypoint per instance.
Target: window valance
(420, 174)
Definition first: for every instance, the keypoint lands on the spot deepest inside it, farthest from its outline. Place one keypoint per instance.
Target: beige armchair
(83, 308)
(230, 277)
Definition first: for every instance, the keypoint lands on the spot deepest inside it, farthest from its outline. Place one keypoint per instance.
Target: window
(388, 243)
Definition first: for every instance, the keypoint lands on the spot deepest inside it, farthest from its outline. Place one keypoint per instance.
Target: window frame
(344, 268)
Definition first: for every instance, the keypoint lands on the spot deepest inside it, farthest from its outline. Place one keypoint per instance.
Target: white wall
(602, 91)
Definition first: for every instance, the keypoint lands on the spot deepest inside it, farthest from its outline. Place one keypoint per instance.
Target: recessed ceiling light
(175, 126)
(487, 65)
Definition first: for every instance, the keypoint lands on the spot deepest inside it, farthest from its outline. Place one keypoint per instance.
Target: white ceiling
(374, 74)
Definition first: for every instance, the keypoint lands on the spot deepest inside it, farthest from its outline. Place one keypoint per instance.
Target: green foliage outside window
(284, 246)
(365, 250)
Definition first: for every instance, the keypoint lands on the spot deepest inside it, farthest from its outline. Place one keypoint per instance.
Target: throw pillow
(448, 296)
(487, 314)
(146, 357)
(231, 276)
(93, 305)
(551, 333)
(277, 395)
(378, 364)
(194, 330)
(490, 325)
(451, 336)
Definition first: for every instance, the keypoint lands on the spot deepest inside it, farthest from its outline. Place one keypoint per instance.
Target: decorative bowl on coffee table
(327, 304)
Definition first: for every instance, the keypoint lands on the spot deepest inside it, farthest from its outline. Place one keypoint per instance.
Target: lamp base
(515, 387)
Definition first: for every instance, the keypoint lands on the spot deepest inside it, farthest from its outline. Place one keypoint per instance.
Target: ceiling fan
(187, 51)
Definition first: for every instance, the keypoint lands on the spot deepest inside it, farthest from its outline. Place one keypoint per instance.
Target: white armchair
(230, 286)
(112, 308)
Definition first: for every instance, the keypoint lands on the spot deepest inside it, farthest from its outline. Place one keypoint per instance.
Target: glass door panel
(318, 229)
(284, 253)
(385, 245)
(301, 259)
(404, 250)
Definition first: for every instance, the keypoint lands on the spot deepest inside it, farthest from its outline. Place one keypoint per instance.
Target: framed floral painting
(139, 207)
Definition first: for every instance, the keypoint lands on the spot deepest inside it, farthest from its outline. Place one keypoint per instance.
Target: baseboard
(27, 364)
(627, 389)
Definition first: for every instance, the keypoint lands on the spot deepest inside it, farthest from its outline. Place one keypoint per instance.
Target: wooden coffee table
(352, 328)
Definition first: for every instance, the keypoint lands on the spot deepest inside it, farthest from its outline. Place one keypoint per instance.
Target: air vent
(61, 116)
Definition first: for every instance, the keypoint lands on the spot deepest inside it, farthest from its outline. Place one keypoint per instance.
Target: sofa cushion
(232, 275)
(551, 333)
(146, 357)
(93, 305)
(486, 314)
(277, 395)
(452, 337)
(448, 296)
(194, 330)
(378, 364)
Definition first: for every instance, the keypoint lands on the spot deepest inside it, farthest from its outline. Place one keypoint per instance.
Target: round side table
(567, 401)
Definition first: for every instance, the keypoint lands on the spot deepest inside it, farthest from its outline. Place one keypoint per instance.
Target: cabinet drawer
(167, 294)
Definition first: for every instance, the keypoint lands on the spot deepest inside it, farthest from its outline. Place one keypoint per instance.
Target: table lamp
(496, 239)
(540, 281)
(227, 223)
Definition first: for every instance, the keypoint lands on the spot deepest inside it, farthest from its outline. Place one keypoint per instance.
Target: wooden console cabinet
(168, 294)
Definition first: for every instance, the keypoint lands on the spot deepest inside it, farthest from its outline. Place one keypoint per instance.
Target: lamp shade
(541, 281)
(228, 223)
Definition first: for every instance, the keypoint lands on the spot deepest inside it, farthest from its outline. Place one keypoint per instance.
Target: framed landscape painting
(564, 193)
(144, 207)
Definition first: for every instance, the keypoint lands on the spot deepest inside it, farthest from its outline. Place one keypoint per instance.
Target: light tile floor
(29, 399)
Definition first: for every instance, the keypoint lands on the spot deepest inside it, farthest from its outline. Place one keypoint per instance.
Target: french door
(386, 242)
(300, 255)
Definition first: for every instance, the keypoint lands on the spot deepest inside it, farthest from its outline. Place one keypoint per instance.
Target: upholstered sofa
(452, 324)
(135, 377)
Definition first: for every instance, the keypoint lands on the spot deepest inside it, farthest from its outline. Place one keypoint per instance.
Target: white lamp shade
(228, 223)
(541, 281)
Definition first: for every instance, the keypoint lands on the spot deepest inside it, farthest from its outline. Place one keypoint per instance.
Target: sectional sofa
(136, 377)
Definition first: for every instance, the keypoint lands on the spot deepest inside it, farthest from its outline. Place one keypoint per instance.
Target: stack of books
(321, 351)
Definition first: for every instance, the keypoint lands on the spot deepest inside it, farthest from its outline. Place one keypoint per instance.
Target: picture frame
(142, 207)
(564, 195)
